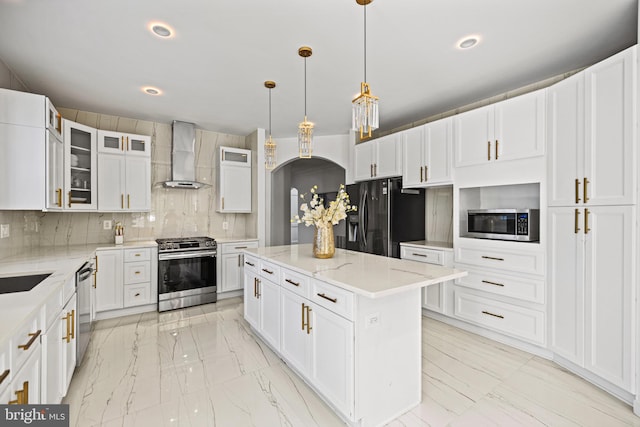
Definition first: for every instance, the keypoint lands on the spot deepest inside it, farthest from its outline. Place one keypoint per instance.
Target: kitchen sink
(9, 285)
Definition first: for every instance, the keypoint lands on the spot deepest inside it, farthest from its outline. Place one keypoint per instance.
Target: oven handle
(164, 257)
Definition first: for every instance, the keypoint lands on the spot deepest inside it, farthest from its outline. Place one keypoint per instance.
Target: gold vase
(323, 246)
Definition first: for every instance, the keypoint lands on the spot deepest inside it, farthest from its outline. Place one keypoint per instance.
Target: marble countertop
(236, 239)
(429, 244)
(61, 262)
(369, 275)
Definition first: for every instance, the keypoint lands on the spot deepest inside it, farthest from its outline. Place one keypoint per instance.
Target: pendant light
(269, 144)
(305, 128)
(364, 107)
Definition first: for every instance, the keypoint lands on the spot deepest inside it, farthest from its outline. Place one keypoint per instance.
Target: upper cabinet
(234, 180)
(427, 155)
(124, 172)
(80, 167)
(591, 133)
(508, 130)
(380, 158)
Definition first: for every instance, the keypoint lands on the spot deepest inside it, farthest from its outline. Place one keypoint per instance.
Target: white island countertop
(372, 276)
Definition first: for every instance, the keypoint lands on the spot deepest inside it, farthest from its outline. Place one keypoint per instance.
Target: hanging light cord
(269, 112)
(305, 87)
(365, 42)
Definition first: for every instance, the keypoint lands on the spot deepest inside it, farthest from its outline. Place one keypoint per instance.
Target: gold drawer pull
(22, 396)
(422, 255)
(267, 271)
(577, 190)
(137, 272)
(584, 190)
(4, 375)
(241, 247)
(586, 221)
(421, 174)
(309, 328)
(488, 150)
(67, 319)
(292, 282)
(494, 315)
(303, 324)
(333, 300)
(492, 283)
(576, 228)
(250, 263)
(493, 258)
(138, 254)
(137, 294)
(33, 336)
(496, 149)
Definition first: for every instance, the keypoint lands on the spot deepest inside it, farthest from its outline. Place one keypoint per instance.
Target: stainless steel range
(186, 272)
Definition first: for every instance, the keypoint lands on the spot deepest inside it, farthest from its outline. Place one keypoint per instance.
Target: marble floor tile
(203, 366)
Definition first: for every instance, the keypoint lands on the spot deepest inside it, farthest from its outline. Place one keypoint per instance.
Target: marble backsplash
(174, 212)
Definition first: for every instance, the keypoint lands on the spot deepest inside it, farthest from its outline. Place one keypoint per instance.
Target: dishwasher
(83, 290)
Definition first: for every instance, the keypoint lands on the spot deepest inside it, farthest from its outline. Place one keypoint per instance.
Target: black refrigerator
(386, 216)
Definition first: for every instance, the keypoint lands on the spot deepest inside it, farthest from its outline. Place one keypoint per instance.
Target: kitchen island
(350, 325)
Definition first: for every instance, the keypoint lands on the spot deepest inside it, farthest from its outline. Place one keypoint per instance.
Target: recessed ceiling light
(161, 30)
(152, 90)
(468, 42)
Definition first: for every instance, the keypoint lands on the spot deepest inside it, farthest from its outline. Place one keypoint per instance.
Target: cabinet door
(437, 152)
(609, 137)
(473, 137)
(519, 127)
(25, 385)
(251, 301)
(388, 157)
(55, 171)
(109, 280)
(364, 153)
(111, 142)
(52, 362)
(231, 272)
(138, 183)
(138, 145)
(80, 167)
(609, 283)
(413, 159)
(566, 283)
(69, 347)
(332, 344)
(111, 182)
(433, 297)
(294, 338)
(235, 189)
(565, 112)
(270, 312)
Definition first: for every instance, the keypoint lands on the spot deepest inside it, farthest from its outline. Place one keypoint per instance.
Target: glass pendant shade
(270, 153)
(305, 138)
(364, 109)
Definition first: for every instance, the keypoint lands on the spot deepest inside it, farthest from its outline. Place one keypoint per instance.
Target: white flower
(315, 213)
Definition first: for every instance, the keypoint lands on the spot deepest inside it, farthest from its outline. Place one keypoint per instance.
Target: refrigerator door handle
(363, 216)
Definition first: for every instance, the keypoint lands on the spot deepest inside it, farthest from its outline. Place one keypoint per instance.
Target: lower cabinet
(230, 264)
(434, 297)
(108, 287)
(262, 305)
(25, 385)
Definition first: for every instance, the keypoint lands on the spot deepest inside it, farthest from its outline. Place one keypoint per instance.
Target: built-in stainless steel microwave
(503, 224)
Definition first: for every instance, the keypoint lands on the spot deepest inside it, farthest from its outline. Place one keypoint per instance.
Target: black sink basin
(9, 285)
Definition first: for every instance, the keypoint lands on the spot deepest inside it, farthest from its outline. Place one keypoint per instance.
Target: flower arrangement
(314, 212)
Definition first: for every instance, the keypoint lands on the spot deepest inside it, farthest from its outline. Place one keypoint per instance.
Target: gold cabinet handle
(33, 336)
(255, 287)
(420, 173)
(127, 143)
(67, 337)
(371, 170)
(577, 190)
(137, 294)
(576, 221)
(492, 314)
(375, 169)
(422, 255)
(223, 203)
(586, 221)
(488, 150)
(22, 396)
(292, 282)
(492, 283)
(137, 272)
(128, 201)
(303, 324)
(250, 263)
(69, 195)
(4, 375)
(584, 190)
(122, 143)
(122, 201)
(138, 254)
(59, 197)
(59, 122)
(73, 324)
(309, 328)
(333, 300)
(258, 288)
(267, 271)
(496, 149)
(239, 260)
(492, 258)
(426, 173)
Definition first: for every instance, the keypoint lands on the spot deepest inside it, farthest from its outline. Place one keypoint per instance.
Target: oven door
(186, 274)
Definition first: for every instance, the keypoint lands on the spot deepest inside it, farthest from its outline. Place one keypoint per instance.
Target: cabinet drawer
(502, 284)
(51, 309)
(429, 256)
(5, 366)
(138, 294)
(251, 263)
(521, 262)
(133, 255)
(295, 282)
(510, 319)
(25, 341)
(270, 271)
(136, 272)
(232, 248)
(333, 298)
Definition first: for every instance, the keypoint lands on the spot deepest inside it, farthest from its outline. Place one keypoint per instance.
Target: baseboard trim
(636, 406)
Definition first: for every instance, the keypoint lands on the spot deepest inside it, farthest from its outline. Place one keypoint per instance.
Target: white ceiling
(96, 55)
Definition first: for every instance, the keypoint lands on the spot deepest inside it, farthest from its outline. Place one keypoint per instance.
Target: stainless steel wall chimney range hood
(183, 157)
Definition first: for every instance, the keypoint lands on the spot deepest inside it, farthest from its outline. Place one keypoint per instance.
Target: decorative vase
(323, 246)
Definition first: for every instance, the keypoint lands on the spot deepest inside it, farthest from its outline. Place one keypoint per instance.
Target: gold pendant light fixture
(269, 144)
(305, 128)
(364, 107)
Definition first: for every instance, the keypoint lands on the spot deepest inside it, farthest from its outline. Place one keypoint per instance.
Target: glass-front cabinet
(80, 167)
(123, 143)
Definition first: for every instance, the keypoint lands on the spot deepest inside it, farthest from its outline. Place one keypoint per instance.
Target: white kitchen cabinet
(269, 296)
(231, 264)
(507, 130)
(295, 346)
(80, 159)
(251, 299)
(380, 158)
(591, 280)
(234, 180)
(109, 292)
(69, 355)
(427, 154)
(25, 386)
(54, 171)
(124, 173)
(591, 135)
